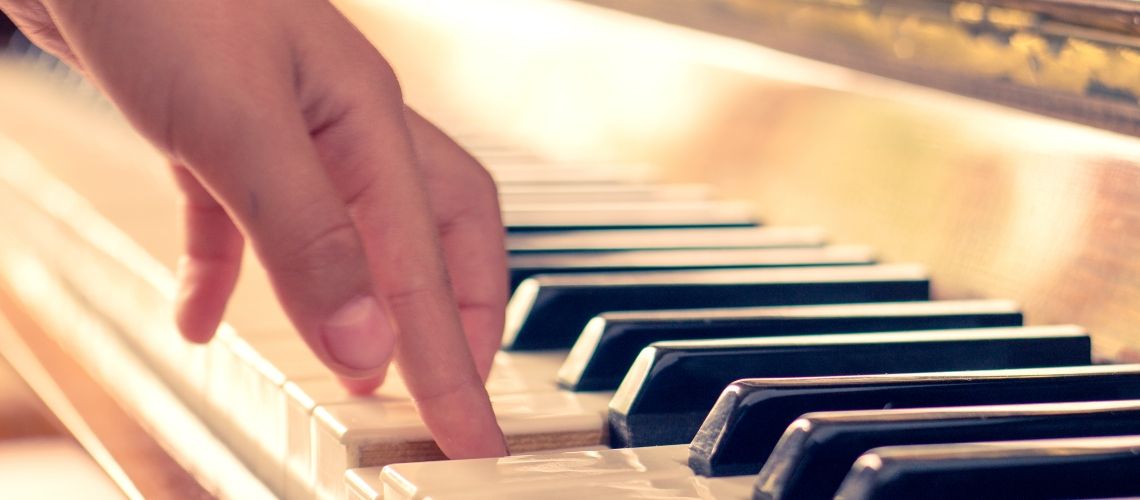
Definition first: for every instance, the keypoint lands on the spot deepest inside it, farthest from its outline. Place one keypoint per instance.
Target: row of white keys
(291, 420)
(110, 278)
(653, 472)
(266, 386)
(306, 394)
(349, 434)
(237, 383)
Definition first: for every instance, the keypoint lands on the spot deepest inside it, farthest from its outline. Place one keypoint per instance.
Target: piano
(759, 249)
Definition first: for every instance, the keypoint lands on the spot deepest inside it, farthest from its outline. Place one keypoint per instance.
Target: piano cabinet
(1029, 195)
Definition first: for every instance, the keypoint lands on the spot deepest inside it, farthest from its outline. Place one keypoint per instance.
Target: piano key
(1027, 470)
(524, 476)
(494, 475)
(672, 385)
(628, 216)
(751, 415)
(244, 392)
(525, 266)
(363, 483)
(816, 452)
(578, 193)
(512, 373)
(569, 173)
(603, 240)
(351, 435)
(548, 312)
(611, 341)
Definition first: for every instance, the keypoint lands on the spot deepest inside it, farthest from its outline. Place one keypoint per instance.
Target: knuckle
(482, 183)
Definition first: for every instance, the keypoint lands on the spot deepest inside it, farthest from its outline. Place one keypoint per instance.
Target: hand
(286, 126)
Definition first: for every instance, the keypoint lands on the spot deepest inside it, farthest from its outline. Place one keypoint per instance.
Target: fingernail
(359, 336)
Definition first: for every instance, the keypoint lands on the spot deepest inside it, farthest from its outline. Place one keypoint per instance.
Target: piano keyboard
(681, 348)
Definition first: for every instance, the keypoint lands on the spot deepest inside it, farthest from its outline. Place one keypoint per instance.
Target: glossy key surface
(1025, 470)
(817, 450)
(525, 266)
(672, 386)
(751, 415)
(605, 240)
(549, 311)
(610, 342)
(628, 216)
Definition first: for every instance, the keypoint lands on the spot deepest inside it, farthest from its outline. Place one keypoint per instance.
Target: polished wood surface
(1073, 59)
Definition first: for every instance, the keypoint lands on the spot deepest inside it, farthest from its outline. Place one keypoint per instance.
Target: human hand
(381, 236)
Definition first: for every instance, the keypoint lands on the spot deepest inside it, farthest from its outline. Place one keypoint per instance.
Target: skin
(284, 126)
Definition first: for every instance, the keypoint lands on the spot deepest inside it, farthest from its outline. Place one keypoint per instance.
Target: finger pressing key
(365, 144)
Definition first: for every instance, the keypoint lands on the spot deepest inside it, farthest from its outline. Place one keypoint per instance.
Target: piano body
(992, 142)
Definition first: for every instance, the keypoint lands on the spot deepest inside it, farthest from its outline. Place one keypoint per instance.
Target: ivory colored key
(655, 472)
(354, 435)
(244, 390)
(548, 312)
(628, 216)
(603, 240)
(610, 342)
(365, 483)
(817, 450)
(512, 373)
(751, 415)
(525, 266)
(672, 386)
(1105, 467)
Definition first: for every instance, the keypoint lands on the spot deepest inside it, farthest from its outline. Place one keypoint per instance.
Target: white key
(248, 406)
(365, 483)
(513, 373)
(354, 435)
(633, 473)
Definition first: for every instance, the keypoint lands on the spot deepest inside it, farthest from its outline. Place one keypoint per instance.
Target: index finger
(368, 153)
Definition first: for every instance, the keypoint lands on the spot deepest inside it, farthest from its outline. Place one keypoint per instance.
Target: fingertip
(192, 328)
(197, 315)
(464, 424)
(361, 386)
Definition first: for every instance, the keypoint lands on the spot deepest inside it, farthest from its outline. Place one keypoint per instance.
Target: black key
(609, 240)
(525, 266)
(632, 216)
(750, 415)
(1025, 470)
(610, 342)
(672, 386)
(548, 312)
(817, 450)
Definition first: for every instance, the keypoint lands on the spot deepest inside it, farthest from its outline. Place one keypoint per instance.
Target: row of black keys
(673, 380)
